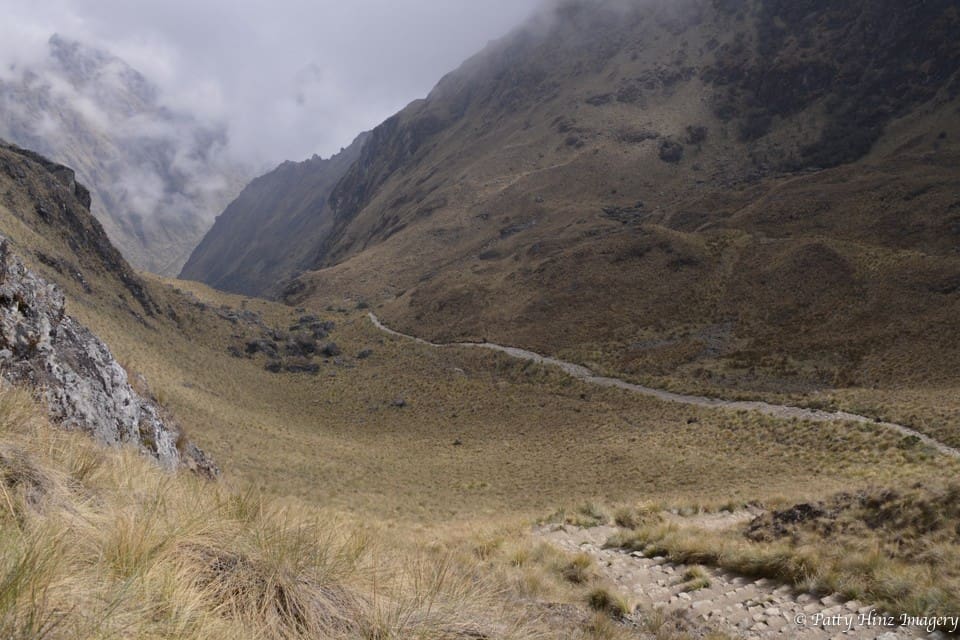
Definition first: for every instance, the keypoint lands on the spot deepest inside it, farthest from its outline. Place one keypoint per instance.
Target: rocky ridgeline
(74, 373)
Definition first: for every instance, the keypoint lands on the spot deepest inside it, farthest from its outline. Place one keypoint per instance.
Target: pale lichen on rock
(75, 374)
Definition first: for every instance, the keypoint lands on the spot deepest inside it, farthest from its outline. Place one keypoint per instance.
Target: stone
(75, 374)
(300, 346)
(671, 151)
(274, 366)
(321, 330)
(302, 367)
(266, 347)
(331, 350)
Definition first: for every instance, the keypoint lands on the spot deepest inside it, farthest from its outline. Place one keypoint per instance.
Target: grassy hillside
(748, 201)
(358, 467)
(97, 544)
(377, 435)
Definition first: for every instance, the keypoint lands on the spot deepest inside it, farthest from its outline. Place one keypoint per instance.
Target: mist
(285, 79)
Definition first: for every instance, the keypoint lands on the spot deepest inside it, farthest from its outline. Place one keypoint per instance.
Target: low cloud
(285, 78)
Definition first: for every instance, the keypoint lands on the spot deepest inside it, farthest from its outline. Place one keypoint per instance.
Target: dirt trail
(775, 410)
(734, 605)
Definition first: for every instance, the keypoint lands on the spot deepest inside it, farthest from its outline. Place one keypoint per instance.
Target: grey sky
(289, 77)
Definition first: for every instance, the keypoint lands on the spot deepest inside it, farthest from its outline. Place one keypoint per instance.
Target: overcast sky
(289, 77)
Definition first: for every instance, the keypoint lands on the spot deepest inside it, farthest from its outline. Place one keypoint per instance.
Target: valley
(641, 325)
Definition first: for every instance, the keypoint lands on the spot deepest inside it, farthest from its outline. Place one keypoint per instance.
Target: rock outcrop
(74, 373)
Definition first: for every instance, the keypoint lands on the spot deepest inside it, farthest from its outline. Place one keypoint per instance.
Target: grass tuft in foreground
(97, 543)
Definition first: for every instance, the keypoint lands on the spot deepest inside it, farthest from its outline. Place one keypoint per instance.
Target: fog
(287, 78)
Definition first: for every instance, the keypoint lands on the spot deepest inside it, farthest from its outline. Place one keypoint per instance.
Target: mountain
(578, 190)
(758, 195)
(271, 231)
(51, 354)
(158, 176)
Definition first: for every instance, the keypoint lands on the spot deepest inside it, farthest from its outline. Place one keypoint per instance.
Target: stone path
(777, 411)
(737, 606)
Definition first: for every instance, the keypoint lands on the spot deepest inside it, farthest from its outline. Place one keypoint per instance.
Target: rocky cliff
(74, 373)
(55, 256)
(274, 228)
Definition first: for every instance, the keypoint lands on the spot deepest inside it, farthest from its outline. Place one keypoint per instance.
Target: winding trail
(774, 410)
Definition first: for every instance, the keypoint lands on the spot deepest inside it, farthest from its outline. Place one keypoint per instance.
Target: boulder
(266, 347)
(302, 366)
(274, 366)
(671, 151)
(331, 350)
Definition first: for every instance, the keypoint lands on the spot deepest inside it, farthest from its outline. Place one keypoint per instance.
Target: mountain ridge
(56, 358)
(248, 250)
(635, 187)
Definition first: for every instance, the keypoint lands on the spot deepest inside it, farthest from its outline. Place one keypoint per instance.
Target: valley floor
(782, 412)
(457, 450)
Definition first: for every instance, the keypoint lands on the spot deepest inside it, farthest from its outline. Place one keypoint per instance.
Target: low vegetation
(97, 543)
(613, 604)
(100, 543)
(694, 579)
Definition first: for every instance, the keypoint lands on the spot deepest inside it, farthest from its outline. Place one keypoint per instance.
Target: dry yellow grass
(97, 543)
(532, 439)
(352, 513)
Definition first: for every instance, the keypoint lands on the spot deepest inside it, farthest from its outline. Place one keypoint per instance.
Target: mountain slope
(158, 177)
(269, 233)
(753, 195)
(47, 351)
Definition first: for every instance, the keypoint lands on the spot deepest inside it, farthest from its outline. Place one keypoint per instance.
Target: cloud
(287, 78)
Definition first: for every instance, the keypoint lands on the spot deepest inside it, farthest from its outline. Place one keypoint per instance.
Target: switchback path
(775, 410)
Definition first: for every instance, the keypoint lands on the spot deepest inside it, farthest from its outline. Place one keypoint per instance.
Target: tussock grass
(97, 543)
(606, 601)
(695, 578)
(579, 569)
(588, 608)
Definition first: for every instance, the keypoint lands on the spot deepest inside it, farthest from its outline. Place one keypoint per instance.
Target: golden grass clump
(95, 543)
